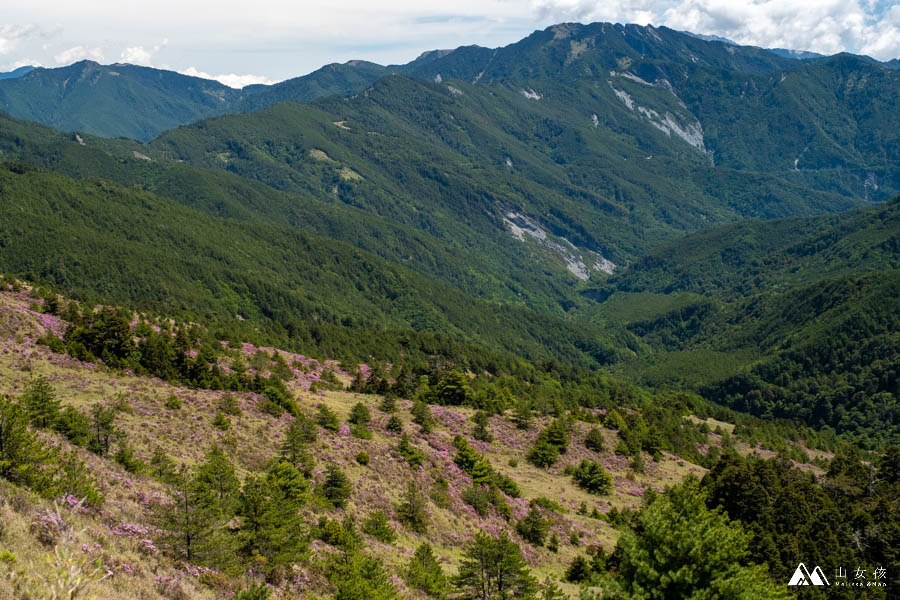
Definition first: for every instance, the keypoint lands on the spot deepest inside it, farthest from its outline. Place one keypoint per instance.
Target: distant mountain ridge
(117, 100)
(16, 73)
(121, 100)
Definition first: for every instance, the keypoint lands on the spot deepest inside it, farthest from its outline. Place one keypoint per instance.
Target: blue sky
(240, 42)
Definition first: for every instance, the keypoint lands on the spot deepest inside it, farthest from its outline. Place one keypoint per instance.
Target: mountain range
(531, 200)
(612, 311)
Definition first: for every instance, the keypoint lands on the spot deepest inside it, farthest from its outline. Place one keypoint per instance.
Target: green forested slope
(786, 319)
(101, 241)
(113, 100)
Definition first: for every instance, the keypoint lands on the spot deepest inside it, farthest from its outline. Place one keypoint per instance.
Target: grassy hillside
(124, 527)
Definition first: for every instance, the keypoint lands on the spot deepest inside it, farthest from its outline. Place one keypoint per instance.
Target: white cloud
(13, 35)
(286, 38)
(24, 62)
(231, 80)
(138, 55)
(76, 53)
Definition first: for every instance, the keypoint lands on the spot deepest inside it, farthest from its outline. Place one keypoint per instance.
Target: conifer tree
(388, 403)
(481, 421)
(271, 526)
(288, 480)
(424, 573)
(294, 447)
(359, 415)
(378, 526)
(684, 550)
(217, 482)
(522, 416)
(594, 440)
(453, 389)
(41, 402)
(592, 477)
(482, 473)
(360, 577)
(336, 487)
(542, 454)
(466, 457)
(326, 418)
(187, 519)
(422, 416)
(411, 510)
(103, 428)
(533, 527)
(162, 466)
(21, 454)
(494, 569)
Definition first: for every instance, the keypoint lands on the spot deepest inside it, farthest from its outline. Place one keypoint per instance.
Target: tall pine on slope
(685, 551)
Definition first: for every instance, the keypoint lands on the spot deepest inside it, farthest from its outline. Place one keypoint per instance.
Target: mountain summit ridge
(145, 101)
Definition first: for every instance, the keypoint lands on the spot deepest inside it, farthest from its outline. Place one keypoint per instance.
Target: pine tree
(482, 473)
(466, 457)
(40, 400)
(294, 447)
(410, 454)
(542, 454)
(378, 526)
(557, 435)
(271, 526)
(533, 527)
(388, 404)
(592, 477)
(217, 482)
(103, 428)
(481, 422)
(162, 466)
(453, 389)
(411, 510)
(687, 551)
(336, 487)
(494, 569)
(359, 415)
(326, 418)
(424, 573)
(422, 416)
(187, 520)
(551, 591)
(360, 577)
(21, 453)
(579, 570)
(613, 420)
(288, 480)
(594, 440)
(522, 414)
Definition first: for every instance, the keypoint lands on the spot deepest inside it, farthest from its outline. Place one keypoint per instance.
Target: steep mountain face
(464, 161)
(811, 119)
(745, 108)
(113, 100)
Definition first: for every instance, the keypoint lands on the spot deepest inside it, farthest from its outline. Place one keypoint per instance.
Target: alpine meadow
(610, 312)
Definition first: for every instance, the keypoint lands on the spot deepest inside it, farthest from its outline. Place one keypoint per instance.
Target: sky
(264, 41)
